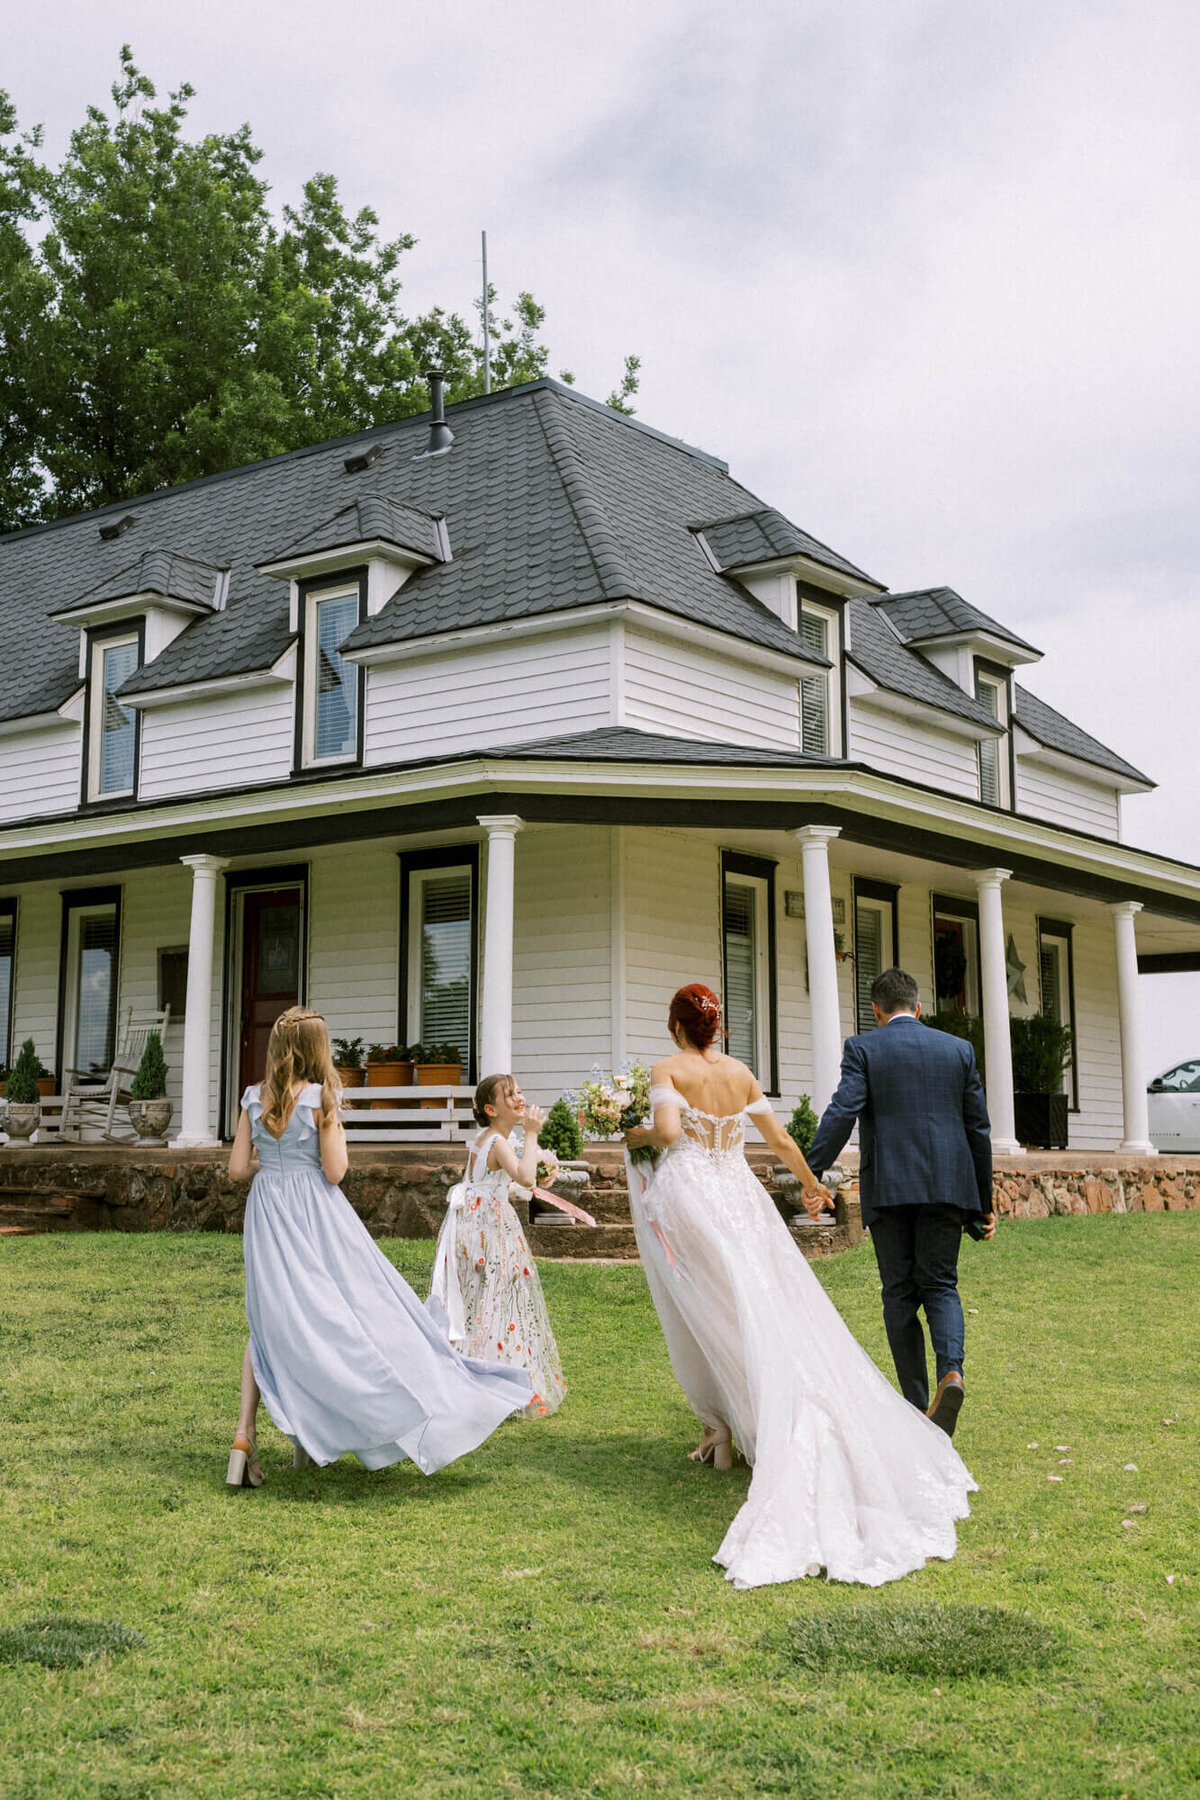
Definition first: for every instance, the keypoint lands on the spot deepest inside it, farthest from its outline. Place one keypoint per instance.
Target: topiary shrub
(561, 1133)
(802, 1126)
(1041, 1054)
(150, 1082)
(22, 1084)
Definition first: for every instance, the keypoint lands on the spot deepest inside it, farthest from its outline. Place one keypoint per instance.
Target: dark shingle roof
(160, 572)
(940, 612)
(878, 652)
(1053, 732)
(765, 536)
(375, 516)
(621, 743)
(552, 501)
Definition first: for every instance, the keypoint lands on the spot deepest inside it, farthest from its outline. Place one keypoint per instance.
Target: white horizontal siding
(354, 942)
(40, 771)
(35, 982)
(900, 745)
(1099, 1124)
(224, 741)
(495, 694)
(1067, 799)
(672, 930)
(684, 690)
(562, 958)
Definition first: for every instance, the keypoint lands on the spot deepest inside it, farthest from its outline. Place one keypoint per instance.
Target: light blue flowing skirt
(345, 1355)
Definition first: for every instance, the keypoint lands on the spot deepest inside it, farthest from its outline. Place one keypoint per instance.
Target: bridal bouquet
(606, 1107)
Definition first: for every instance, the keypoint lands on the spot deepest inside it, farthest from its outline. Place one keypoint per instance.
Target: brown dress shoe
(947, 1402)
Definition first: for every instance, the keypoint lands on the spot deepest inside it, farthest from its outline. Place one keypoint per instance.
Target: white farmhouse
(494, 729)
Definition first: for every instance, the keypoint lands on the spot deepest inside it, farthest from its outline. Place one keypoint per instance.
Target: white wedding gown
(848, 1477)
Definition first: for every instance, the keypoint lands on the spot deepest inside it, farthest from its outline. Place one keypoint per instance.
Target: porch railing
(407, 1115)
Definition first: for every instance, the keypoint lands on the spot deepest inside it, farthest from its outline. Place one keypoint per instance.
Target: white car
(1174, 1109)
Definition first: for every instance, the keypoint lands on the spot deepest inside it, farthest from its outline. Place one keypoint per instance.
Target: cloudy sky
(923, 271)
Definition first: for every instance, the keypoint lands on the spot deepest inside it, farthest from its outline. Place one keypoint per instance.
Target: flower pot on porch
(388, 1074)
(46, 1086)
(1041, 1120)
(354, 1077)
(150, 1119)
(438, 1075)
(22, 1118)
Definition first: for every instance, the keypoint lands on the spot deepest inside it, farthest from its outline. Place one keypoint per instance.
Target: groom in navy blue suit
(925, 1174)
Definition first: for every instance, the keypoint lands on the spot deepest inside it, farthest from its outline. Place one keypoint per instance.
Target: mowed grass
(543, 1618)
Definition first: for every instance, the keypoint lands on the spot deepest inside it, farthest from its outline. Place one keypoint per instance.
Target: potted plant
(46, 1082)
(149, 1109)
(1041, 1055)
(23, 1113)
(561, 1134)
(348, 1061)
(388, 1065)
(436, 1065)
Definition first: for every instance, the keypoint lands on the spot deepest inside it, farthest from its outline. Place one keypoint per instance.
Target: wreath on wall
(949, 967)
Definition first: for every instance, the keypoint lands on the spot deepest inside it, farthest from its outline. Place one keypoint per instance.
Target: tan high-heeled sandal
(722, 1447)
(243, 1468)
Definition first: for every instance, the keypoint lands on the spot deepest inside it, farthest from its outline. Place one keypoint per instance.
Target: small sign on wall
(793, 906)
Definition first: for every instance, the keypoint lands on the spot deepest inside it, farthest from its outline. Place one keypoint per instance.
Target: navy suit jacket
(924, 1134)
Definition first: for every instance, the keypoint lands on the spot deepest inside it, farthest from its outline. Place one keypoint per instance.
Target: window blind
(1051, 980)
(118, 727)
(868, 959)
(987, 693)
(336, 732)
(96, 994)
(446, 928)
(741, 974)
(8, 933)
(814, 690)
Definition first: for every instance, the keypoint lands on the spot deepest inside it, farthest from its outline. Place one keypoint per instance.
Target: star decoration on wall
(1014, 968)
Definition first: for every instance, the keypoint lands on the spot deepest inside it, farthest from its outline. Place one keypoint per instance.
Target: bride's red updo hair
(696, 1012)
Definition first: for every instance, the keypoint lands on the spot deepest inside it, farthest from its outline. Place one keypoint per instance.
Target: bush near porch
(542, 1619)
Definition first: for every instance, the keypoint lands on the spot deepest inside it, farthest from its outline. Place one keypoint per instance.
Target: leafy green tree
(157, 322)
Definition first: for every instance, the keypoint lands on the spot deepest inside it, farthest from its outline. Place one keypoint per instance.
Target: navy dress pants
(916, 1248)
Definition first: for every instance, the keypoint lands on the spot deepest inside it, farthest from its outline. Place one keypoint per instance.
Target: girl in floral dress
(484, 1276)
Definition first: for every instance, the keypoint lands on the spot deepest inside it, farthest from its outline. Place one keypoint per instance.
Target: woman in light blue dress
(341, 1349)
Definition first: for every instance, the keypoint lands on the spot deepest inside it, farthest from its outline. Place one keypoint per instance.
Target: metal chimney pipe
(440, 435)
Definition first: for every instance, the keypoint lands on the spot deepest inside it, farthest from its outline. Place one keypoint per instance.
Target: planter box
(437, 1075)
(351, 1078)
(381, 1074)
(22, 1120)
(1042, 1120)
(150, 1119)
(46, 1085)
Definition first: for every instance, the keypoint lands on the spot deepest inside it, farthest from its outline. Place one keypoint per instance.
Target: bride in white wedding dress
(849, 1478)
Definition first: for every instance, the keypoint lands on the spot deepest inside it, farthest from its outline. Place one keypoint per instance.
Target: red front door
(271, 935)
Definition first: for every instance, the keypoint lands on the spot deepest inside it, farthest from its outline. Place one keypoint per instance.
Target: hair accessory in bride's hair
(696, 1011)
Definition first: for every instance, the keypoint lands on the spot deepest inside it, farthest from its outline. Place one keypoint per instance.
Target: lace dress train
(848, 1477)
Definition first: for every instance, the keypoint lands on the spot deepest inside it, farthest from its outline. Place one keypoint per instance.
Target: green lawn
(543, 1618)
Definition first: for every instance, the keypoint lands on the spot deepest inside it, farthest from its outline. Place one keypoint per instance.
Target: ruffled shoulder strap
(252, 1102)
(761, 1105)
(665, 1093)
(311, 1094)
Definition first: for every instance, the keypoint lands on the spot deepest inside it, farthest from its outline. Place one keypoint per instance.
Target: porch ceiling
(730, 791)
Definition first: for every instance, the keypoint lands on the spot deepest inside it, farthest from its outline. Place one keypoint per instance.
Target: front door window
(272, 926)
(90, 1010)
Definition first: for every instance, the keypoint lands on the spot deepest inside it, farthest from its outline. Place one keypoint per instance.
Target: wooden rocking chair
(94, 1101)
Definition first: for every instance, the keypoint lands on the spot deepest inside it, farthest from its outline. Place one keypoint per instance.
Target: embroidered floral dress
(486, 1280)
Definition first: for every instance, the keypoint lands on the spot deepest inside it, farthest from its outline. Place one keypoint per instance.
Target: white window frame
(761, 1068)
(1060, 935)
(313, 598)
(886, 909)
(997, 686)
(414, 1015)
(831, 678)
(73, 972)
(100, 646)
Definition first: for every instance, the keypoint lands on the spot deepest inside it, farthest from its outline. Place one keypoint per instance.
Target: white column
(196, 1122)
(997, 1039)
(1133, 1062)
(495, 1029)
(824, 1006)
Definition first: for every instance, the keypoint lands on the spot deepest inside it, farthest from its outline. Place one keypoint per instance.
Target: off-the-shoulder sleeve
(761, 1105)
(665, 1093)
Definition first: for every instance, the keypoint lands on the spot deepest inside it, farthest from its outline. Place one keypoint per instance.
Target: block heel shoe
(243, 1468)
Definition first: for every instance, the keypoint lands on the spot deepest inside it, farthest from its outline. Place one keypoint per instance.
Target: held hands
(816, 1202)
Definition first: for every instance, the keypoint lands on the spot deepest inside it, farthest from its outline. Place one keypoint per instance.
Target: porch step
(29, 1212)
(567, 1243)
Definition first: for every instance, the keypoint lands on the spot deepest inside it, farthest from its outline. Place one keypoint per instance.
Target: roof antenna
(487, 339)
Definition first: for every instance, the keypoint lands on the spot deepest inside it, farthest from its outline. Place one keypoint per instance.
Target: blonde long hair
(298, 1050)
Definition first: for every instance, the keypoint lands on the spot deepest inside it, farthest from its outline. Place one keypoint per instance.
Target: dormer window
(820, 708)
(991, 690)
(332, 688)
(112, 728)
